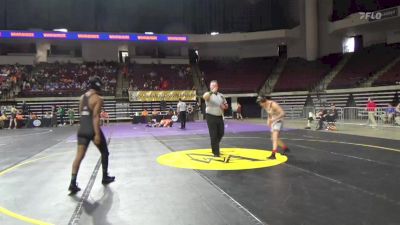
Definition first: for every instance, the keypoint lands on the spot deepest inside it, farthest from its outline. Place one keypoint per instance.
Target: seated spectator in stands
(181, 74)
(104, 117)
(164, 84)
(71, 116)
(145, 86)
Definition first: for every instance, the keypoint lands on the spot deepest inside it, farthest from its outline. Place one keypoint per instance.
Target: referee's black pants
(216, 128)
(182, 118)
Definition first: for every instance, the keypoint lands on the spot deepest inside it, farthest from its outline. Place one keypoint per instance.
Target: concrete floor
(330, 178)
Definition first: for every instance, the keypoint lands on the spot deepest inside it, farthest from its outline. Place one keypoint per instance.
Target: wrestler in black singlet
(86, 134)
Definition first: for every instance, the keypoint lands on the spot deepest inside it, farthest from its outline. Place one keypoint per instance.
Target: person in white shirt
(216, 104)
(181, 108)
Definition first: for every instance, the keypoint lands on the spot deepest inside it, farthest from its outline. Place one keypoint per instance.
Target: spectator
(71, 116)
(397, 115)
(13, 118)
(321, 116)
(3, 118)
(53, 116)
(239, 112)
(164, 84)
(333, 114)
(61, 113)
(146, 85)
(371, 108)
(389, 115)
(25, 108)
(32, 117)
(104, 117)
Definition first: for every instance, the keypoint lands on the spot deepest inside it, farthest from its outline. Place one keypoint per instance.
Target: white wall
(239, 50)
(296, 47)
(168, 61)
(237, 37)
(251, 50)
(328, 43)
(64, 59)
(372, 38)
(393, 37)
(23, 60)
(41, 51)
(210, 51)
(97, 50)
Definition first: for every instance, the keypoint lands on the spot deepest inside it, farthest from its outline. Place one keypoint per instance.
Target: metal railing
(347, 115)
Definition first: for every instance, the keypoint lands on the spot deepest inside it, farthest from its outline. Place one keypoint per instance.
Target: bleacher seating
(364, 64)
(391, 77)
(245, 75)
(11, 76)
(340, 100)
(381, 98)
(302, 75)
(55, 79)
(292, 104)
(153, 75)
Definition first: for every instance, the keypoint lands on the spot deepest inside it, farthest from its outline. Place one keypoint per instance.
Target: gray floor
(330, 178)
(144, 192)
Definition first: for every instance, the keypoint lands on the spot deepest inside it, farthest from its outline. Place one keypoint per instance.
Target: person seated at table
(389, 115)
(145, 116)
(104, 117)
(321, 117)
(32, 117)
(155, 113)
(20, 119)
(48, 115)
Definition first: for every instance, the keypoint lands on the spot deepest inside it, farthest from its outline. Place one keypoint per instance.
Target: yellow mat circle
(231, 159)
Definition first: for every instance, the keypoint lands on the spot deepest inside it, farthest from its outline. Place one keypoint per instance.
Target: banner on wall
(157, 96)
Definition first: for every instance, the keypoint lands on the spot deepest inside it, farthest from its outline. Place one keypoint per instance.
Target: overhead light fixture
(214, 33)
(149, 33)
(61, 30)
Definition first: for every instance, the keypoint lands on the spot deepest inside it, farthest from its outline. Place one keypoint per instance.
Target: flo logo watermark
(379, 15)
(370, 15)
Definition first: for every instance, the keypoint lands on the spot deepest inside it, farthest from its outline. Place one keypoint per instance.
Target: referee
(215, 106)
(181, 108)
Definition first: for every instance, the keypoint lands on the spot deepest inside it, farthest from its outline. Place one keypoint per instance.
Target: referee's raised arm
(207, 96)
